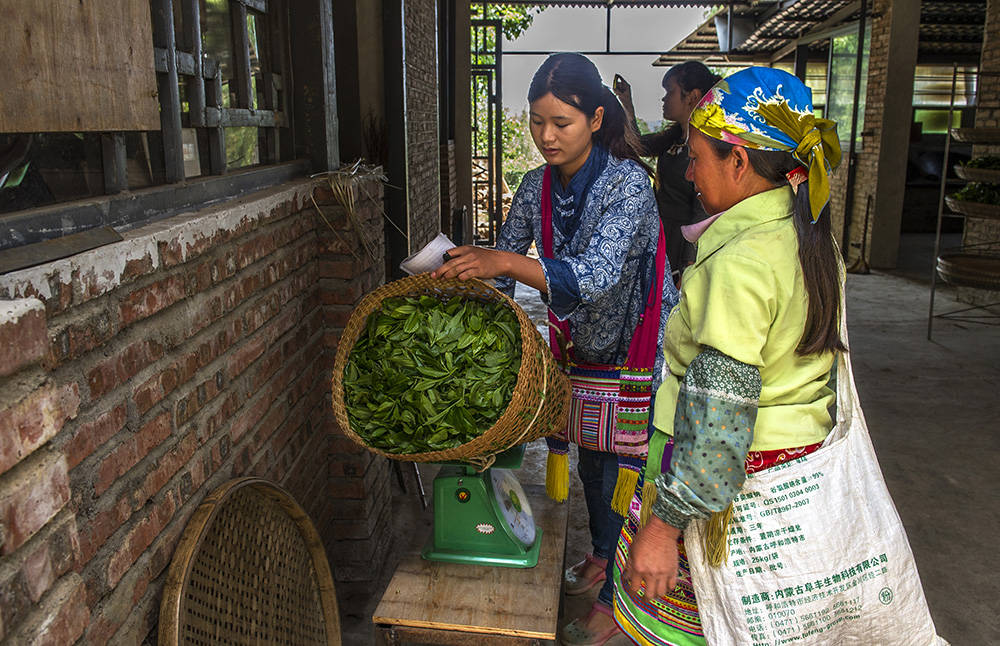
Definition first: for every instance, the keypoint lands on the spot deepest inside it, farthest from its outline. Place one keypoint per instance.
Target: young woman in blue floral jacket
(605, 229)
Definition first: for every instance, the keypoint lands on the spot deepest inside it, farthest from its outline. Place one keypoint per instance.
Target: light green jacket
(745, 296)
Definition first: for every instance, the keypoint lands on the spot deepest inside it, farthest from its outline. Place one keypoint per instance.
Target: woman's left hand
(652, 559)
(472, 262)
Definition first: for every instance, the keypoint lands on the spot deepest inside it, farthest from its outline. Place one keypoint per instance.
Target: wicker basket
(249, 568)
(973, 209)
(976, 135)
(538, 406)
(970, 270)
(984, 175)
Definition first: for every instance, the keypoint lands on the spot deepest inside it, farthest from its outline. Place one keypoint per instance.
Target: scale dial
(513, 505)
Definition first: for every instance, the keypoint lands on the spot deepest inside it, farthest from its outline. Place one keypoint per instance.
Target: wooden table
(456, 604)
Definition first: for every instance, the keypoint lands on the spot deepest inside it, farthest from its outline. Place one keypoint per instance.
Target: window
(220, 69)
(840, 89)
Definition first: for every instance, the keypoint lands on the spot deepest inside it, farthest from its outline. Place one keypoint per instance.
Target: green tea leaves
(428, 375)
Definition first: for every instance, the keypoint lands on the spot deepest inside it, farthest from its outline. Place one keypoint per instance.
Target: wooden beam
(241, 117)
(113, 155)
(191, 30)
(169, 92)
(241, 56)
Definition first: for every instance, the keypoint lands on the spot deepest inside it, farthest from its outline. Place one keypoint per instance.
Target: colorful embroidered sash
(609, 411)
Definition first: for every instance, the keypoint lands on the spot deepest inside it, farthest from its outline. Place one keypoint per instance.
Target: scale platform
(483, 518)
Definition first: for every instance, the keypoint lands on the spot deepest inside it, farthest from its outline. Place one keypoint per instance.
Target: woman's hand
(623, 91)
(473, 262)
(652, 559)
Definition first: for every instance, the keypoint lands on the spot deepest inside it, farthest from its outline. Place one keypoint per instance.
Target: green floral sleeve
(713, 430)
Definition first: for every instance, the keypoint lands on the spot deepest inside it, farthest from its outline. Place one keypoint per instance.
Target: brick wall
(422, 147)
(449, 189)
(139, 376)
(978, 231)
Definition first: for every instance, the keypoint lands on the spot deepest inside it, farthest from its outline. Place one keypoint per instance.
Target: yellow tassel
(624, 490)
(648, 498)
(557, 476)
(717, 536)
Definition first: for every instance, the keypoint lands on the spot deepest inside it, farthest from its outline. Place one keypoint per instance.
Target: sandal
(575, 632)
(576, 584)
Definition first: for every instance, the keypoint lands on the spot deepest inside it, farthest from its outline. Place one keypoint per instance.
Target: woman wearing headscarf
(750, 346)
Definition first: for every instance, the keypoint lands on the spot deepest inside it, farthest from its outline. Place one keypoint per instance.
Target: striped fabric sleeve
(713, 431)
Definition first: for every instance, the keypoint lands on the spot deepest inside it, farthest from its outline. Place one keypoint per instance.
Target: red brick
(60, 619)
(30, 495)
(151, 299)
(166, 467)
(118, 369)
(336, 292)
(245, 355)
(139, 538)
(78, 338)
(344, 269)
(94, 534)
(154, 389)
(137, 267)
(131, 451)
(34, 420)
(23, 335)
(91, 435)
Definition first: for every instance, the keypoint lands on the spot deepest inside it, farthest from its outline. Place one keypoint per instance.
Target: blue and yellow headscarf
(767, 109)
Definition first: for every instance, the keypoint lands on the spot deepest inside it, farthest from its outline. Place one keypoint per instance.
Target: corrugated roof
(948, 28)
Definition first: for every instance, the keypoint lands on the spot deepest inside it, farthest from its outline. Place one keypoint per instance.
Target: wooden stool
(457, 604)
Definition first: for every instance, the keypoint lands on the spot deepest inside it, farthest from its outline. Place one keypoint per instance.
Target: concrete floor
(931, 408)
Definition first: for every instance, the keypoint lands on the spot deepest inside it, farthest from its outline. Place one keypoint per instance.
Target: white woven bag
(817, 552)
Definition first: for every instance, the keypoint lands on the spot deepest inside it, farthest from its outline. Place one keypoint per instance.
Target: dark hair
(574, 80)
(817, 252)
(692, 75)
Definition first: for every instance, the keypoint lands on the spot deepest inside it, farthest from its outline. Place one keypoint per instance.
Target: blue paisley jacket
(600, 277)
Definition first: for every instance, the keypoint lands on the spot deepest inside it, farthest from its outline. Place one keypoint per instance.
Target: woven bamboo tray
(970, 270)
(984, 175)
(976, 135)
(539, 405)
(973, 209)
(250, 568)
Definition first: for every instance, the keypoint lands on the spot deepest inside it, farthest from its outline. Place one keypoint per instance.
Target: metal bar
(191, 29)
(607, 31)
(498, 124)
(241, 56)
(169, 93)
(851, 146)
(944, 184)
(113, 154)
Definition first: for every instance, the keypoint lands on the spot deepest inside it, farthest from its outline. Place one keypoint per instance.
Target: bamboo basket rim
(983, 175)
(193, 537)
(973, 209)
(479, 451)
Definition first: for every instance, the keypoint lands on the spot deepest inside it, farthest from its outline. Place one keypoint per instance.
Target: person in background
(683, 86)
(605, 233)
(751, 345)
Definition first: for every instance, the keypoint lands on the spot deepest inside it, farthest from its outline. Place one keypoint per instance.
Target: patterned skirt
(672, 620)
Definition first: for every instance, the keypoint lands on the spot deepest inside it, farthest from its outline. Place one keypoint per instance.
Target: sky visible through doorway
(583, 30)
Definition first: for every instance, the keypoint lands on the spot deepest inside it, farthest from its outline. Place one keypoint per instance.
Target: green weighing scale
(483, 518)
